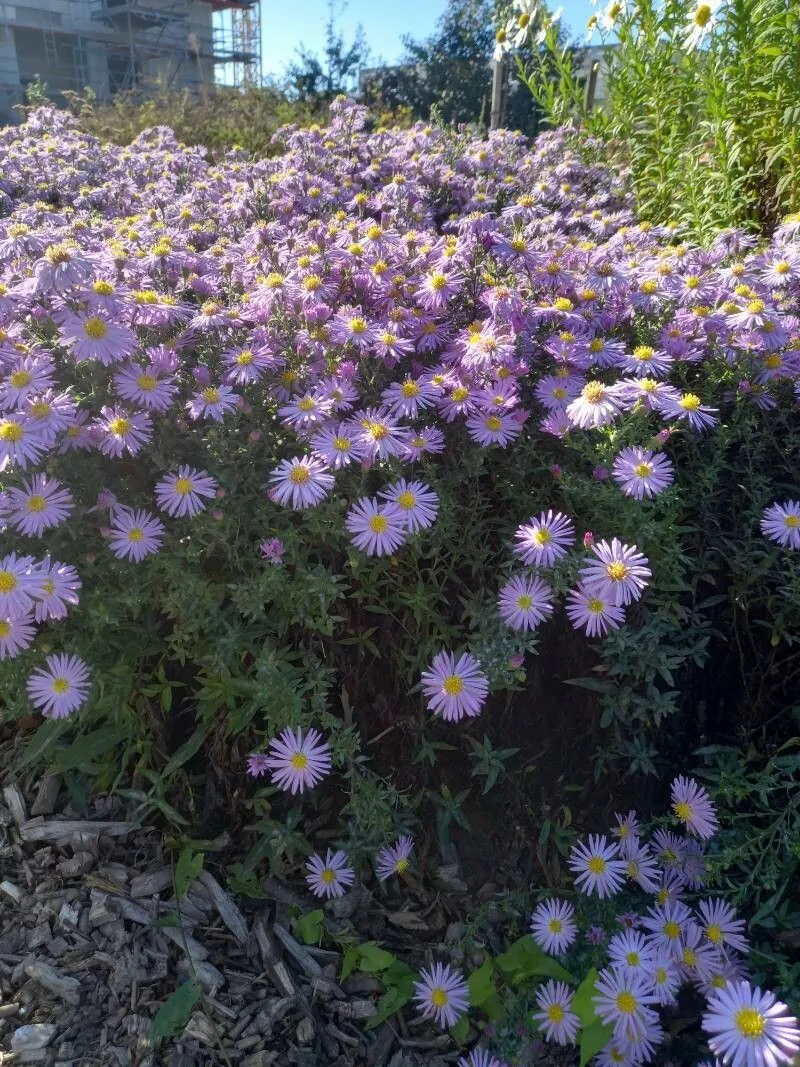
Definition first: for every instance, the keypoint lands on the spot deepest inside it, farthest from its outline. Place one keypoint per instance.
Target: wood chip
(61, 985)
(306, 961)
(12, 794)
(47, 795)
(72, 831)
(270, 958)
(12, 891)
(152, 882)
(228, 911)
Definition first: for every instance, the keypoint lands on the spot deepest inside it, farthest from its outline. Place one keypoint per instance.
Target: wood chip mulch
(85, 961)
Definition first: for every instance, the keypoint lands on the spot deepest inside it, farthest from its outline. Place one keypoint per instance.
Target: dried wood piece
(270, 958)
(355, 1009)
(306, 961)
(12, 794)
(61, 985)
(46, 795)
(228, 911)
(32, 1037)
(201, 1029)
(152, 882)
(72, 831)
(68, 917)
(12, 891)
(259, 1059)
(104, 909)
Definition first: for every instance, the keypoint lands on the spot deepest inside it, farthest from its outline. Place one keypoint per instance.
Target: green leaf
(349, 963)
(494, 1008)
(170, 919)
(594, 1038)
(524, 959)
(460, 1032)
(481, 984)
(309, 926)
(186, 751)
(373, 959)
(42, 742)
(582, 1003)
(175, 1012)
(189, 865)
(86, 748)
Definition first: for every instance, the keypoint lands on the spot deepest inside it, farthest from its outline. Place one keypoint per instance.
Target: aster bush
(306, 454)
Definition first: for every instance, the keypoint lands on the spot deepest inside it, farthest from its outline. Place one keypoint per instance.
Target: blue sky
(287, 23)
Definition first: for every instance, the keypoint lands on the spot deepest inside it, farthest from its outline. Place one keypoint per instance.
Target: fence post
(498, 87)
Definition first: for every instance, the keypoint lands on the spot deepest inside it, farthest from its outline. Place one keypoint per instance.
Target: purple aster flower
(377, 529)
(20, 441)
(304, 412)
(640, 865)
(337, 445)
(494, 428)
(416, 500)
(553, 926)
(781, 523)
(95, 338)
(666, 977)
(620, 572)
(480, 1058)
(721, 927)
(272, 550)
(692, 805)
(594, 612)
(20, 585)
(212, 402)
(555, 1016)
(545, 540)
(668, 924)
(428, 439)
(61, 688)
(60, 585)
(298, 762)
(595, 935)
(409, 397)
(597, 866)
(749, 1028)
(135, 534)
(688, 406)
(302, 482)
(181, 494)
(27, 377)
(455, 688)
(442, 994)
(394, 858)
(41, 503)
(329, 877)
(149, 386)
(524, 602)
(123, 431)
(640, 472)
(16, 634)
(377, 436)
(631, 951)
(623, 999)
(597, 405)
(257, 764)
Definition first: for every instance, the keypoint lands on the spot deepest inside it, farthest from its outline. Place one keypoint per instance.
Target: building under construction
(113, 45)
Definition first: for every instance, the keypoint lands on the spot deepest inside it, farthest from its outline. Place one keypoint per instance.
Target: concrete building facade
(112, 45)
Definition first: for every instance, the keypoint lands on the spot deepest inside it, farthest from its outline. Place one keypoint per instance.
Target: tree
(313, 78)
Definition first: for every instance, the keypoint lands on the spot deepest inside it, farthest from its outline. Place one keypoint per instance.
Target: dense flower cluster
(370, 303)
(682, 938)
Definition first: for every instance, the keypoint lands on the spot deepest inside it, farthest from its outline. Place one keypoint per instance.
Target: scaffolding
(113, 45)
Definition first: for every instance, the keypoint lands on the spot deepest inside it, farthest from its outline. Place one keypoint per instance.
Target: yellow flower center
(119, 427)
(11, 431)
(439, 997)
(135, 534)
(146, 382)
(689, 957)
(683, 810)
(299, 761)
(597, 865)
(650, 286)
(524, 602)
(210, 395)
(299, 475)
(438, 281)
(378, 524)
(555, 926)
(792, 521)
(401, 866)
(358, 325)
(407, 500)
(245, 358)
(103, 288)
(377, 430)
(633, 959)
(459, 393)
(755, 307)
(59, 685)
(749, 1022)
(702, 15)
(626, 1002)
(563, 304)
(523, 21)
(409, 389)
(5, 628)
(690, 402)
(20, 378)
(555, 1013)
(95, 329)
(453, 685)
(307, 404)
(661, 975)
(671, 930)
(183, 486)
(643, 470)
(57, 254)
(493, 423)
(36, 503)
(8, 582)
(593, 392)
(644, 353)
(714, 933)
(617, 571)
(597, 344)
(327, 875)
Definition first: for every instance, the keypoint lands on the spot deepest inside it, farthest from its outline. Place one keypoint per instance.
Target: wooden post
(591, 87)
(498, 87)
